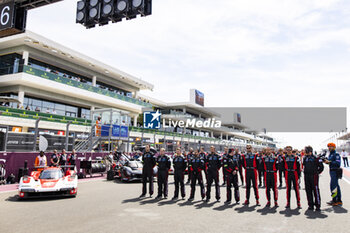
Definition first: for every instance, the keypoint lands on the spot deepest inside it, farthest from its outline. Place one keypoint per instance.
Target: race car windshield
(51, 174)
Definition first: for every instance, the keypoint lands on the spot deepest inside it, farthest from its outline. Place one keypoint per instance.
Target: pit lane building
(49, 89)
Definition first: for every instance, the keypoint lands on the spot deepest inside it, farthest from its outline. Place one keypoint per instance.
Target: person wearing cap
(313, 167)
(334, 161)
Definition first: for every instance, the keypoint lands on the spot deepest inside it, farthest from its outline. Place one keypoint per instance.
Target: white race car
(51, 181)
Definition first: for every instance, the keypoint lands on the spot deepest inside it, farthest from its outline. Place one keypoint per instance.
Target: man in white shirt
(344, 155)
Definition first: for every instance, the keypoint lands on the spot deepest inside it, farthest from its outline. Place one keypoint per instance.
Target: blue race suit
(334, 165)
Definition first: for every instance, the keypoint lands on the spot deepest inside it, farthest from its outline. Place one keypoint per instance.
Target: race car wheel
(21, 195)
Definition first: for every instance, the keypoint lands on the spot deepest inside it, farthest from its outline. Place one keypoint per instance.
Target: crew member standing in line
(250, 164)
(292, 174)
(196, 165)
(149, 162)
(270, 164)
(179, 164)
(231, 166)
(164, 164)
(72, 159)
(203, 156)
(224, 173)
(312, 168)
(189, 157)
(260, 157)
(280, 156)
(214, 164)
(55, 159)
(240, 163)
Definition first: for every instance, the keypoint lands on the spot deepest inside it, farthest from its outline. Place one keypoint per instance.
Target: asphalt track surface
(107, 206)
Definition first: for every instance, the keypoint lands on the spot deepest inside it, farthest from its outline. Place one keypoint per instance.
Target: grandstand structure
(51, 90)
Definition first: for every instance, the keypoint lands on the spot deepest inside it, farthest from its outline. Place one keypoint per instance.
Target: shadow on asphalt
(189, 203)
(245, 209)
(168, 202)
(149, 201)
(204, 205)
(314, 214)
(225, 206)
(15, 198)
(136, 199)
(337, 210)
(267, 210)
(290, 212)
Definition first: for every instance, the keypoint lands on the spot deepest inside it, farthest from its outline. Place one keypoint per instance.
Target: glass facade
(10, 63)
(40, 105)
(76, 77)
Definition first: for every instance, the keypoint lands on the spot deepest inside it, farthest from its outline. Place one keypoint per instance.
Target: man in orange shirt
(40, 161)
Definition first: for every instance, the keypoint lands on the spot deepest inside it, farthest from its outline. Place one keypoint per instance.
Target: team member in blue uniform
(334, 161)
(164, 164)
(270, 166)
(149, 162)
(196, 165)
(231, 167)
(292, 174)
(179, 163)
(250, 163)
(214, 164)
(312, 168)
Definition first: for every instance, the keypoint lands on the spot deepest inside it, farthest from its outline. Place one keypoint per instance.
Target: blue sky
(237, 52)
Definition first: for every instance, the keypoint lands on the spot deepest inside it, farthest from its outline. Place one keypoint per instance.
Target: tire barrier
(93, 167)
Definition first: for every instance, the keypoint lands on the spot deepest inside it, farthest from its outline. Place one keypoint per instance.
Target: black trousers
(189, 175)
(346, 163)
(162, 183)
(232, 180)
(179, 182)
(292, 179)
(224, 175)
(197, 176)
(312, 190)
(280, 175)
(251, 176)
(271, 184)
(213, 176)
(147, 176)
